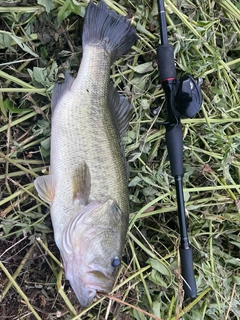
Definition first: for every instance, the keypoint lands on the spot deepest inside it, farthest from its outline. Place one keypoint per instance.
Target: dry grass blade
(21, 293)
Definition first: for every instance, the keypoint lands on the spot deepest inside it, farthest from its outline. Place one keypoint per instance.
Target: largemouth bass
(87, 185)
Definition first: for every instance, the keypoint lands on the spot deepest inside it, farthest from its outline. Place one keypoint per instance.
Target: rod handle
(166, 66)
(189, 283)
(175, 148)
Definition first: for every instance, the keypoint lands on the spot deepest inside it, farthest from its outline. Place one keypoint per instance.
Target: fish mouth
(102, 275)
(86, 293)
(85, 296)
(100, 282)
(86, 287)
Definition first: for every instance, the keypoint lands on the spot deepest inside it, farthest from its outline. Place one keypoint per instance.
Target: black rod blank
(174, 141)
(163, 24)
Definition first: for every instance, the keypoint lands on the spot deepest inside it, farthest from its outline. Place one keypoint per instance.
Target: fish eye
(116, 262)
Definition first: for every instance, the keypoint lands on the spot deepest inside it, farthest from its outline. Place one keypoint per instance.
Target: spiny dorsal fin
(60, 88)
(81, 183)
(120, 109)
(45, 188)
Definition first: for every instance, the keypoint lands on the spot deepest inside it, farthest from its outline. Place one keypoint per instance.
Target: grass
(43, 38)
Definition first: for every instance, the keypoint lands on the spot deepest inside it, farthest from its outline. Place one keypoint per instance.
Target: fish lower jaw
(85, 299)
(85, 294)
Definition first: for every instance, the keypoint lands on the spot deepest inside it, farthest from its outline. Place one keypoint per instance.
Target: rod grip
(189, 283)
(175, 148)
(166, 67)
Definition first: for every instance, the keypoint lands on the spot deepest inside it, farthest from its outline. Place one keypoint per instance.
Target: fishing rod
(183, 100)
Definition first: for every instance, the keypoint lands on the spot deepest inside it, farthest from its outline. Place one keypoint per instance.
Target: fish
(87, 184)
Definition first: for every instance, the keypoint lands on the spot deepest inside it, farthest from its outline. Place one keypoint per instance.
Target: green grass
(43, 38)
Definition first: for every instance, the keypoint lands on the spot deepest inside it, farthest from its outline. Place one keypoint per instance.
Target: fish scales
(87, 185)
(89, 135)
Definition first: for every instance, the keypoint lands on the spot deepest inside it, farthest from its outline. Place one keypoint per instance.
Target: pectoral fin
(81, 183)
(45, 188)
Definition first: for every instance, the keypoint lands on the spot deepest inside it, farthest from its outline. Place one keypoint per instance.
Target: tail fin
(105, 27)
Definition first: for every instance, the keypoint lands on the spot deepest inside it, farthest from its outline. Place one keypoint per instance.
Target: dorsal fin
(120, 109)
(60, 88)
